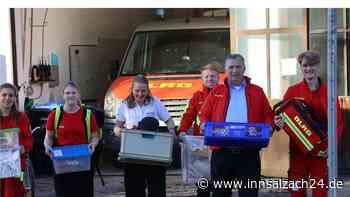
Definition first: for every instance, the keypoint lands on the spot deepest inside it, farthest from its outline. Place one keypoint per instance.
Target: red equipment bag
(304, 126)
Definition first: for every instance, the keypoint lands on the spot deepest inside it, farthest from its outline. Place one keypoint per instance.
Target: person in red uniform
(237, 100)
(210, 78)
(10, 117)
(314, 93)
(71, 131)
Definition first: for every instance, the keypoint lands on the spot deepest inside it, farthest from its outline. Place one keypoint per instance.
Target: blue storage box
(237, 135)
(73, 158)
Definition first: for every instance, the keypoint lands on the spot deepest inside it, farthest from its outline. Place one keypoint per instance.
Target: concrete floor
(114, 186)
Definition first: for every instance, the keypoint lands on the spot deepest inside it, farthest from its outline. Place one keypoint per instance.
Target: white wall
(66, 27)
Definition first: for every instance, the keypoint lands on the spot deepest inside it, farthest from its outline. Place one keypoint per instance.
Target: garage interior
(82, 45)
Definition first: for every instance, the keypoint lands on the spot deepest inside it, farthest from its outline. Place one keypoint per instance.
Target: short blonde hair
(215, 66)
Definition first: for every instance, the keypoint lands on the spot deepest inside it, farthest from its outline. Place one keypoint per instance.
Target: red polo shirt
(71, 130)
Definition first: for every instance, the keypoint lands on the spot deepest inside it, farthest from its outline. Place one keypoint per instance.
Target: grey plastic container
(146, 147)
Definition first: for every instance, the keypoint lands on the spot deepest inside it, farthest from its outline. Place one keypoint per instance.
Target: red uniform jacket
(13, 187)
(189, 118)
(316, 100)
(215, 106)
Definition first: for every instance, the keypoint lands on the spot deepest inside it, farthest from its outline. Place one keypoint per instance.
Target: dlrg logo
(170, 85)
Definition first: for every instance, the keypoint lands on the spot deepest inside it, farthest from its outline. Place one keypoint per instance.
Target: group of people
(71, 130)
(236, 100)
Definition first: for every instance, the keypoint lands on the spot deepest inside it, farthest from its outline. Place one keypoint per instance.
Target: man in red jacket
(237, 100)
(210, 78)
(314, 93)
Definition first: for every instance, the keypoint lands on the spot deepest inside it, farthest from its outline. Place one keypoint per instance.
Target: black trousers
(74, 184)
(137, 177)
(229, 165)
(204, 192)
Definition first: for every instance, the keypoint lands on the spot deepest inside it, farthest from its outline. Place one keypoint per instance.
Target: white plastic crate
(9, 138)
(195, 159)
(74, 158)
(146, 147)
(10, 162)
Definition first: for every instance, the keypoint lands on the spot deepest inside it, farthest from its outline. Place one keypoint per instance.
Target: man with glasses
(314, 92)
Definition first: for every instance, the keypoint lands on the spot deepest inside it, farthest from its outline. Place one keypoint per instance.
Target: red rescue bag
(304, 126)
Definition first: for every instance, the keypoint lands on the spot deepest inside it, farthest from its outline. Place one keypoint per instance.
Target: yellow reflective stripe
(297, 132)
(100, 130)
(197, 120)
(57, 116)
(21, 176)
(10, 130)
(88, 124)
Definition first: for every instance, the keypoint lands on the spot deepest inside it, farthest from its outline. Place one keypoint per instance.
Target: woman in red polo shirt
(10, 117)
(71, 131)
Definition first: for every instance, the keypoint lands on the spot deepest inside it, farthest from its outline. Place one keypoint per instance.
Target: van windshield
(180, 51)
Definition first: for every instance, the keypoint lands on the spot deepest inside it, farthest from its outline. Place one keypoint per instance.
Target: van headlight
(111, 105)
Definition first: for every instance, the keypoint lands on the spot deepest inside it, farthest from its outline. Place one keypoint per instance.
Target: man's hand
(323, 154)
(278, 121)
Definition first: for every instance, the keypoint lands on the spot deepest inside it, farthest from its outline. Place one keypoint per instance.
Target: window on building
(5, 47)
(284, 47)
(270, 40)
(286, 17)
(254, 49)
(253, 18)
(318, 42)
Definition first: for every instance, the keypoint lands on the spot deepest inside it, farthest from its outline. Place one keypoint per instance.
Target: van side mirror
(115, 69)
